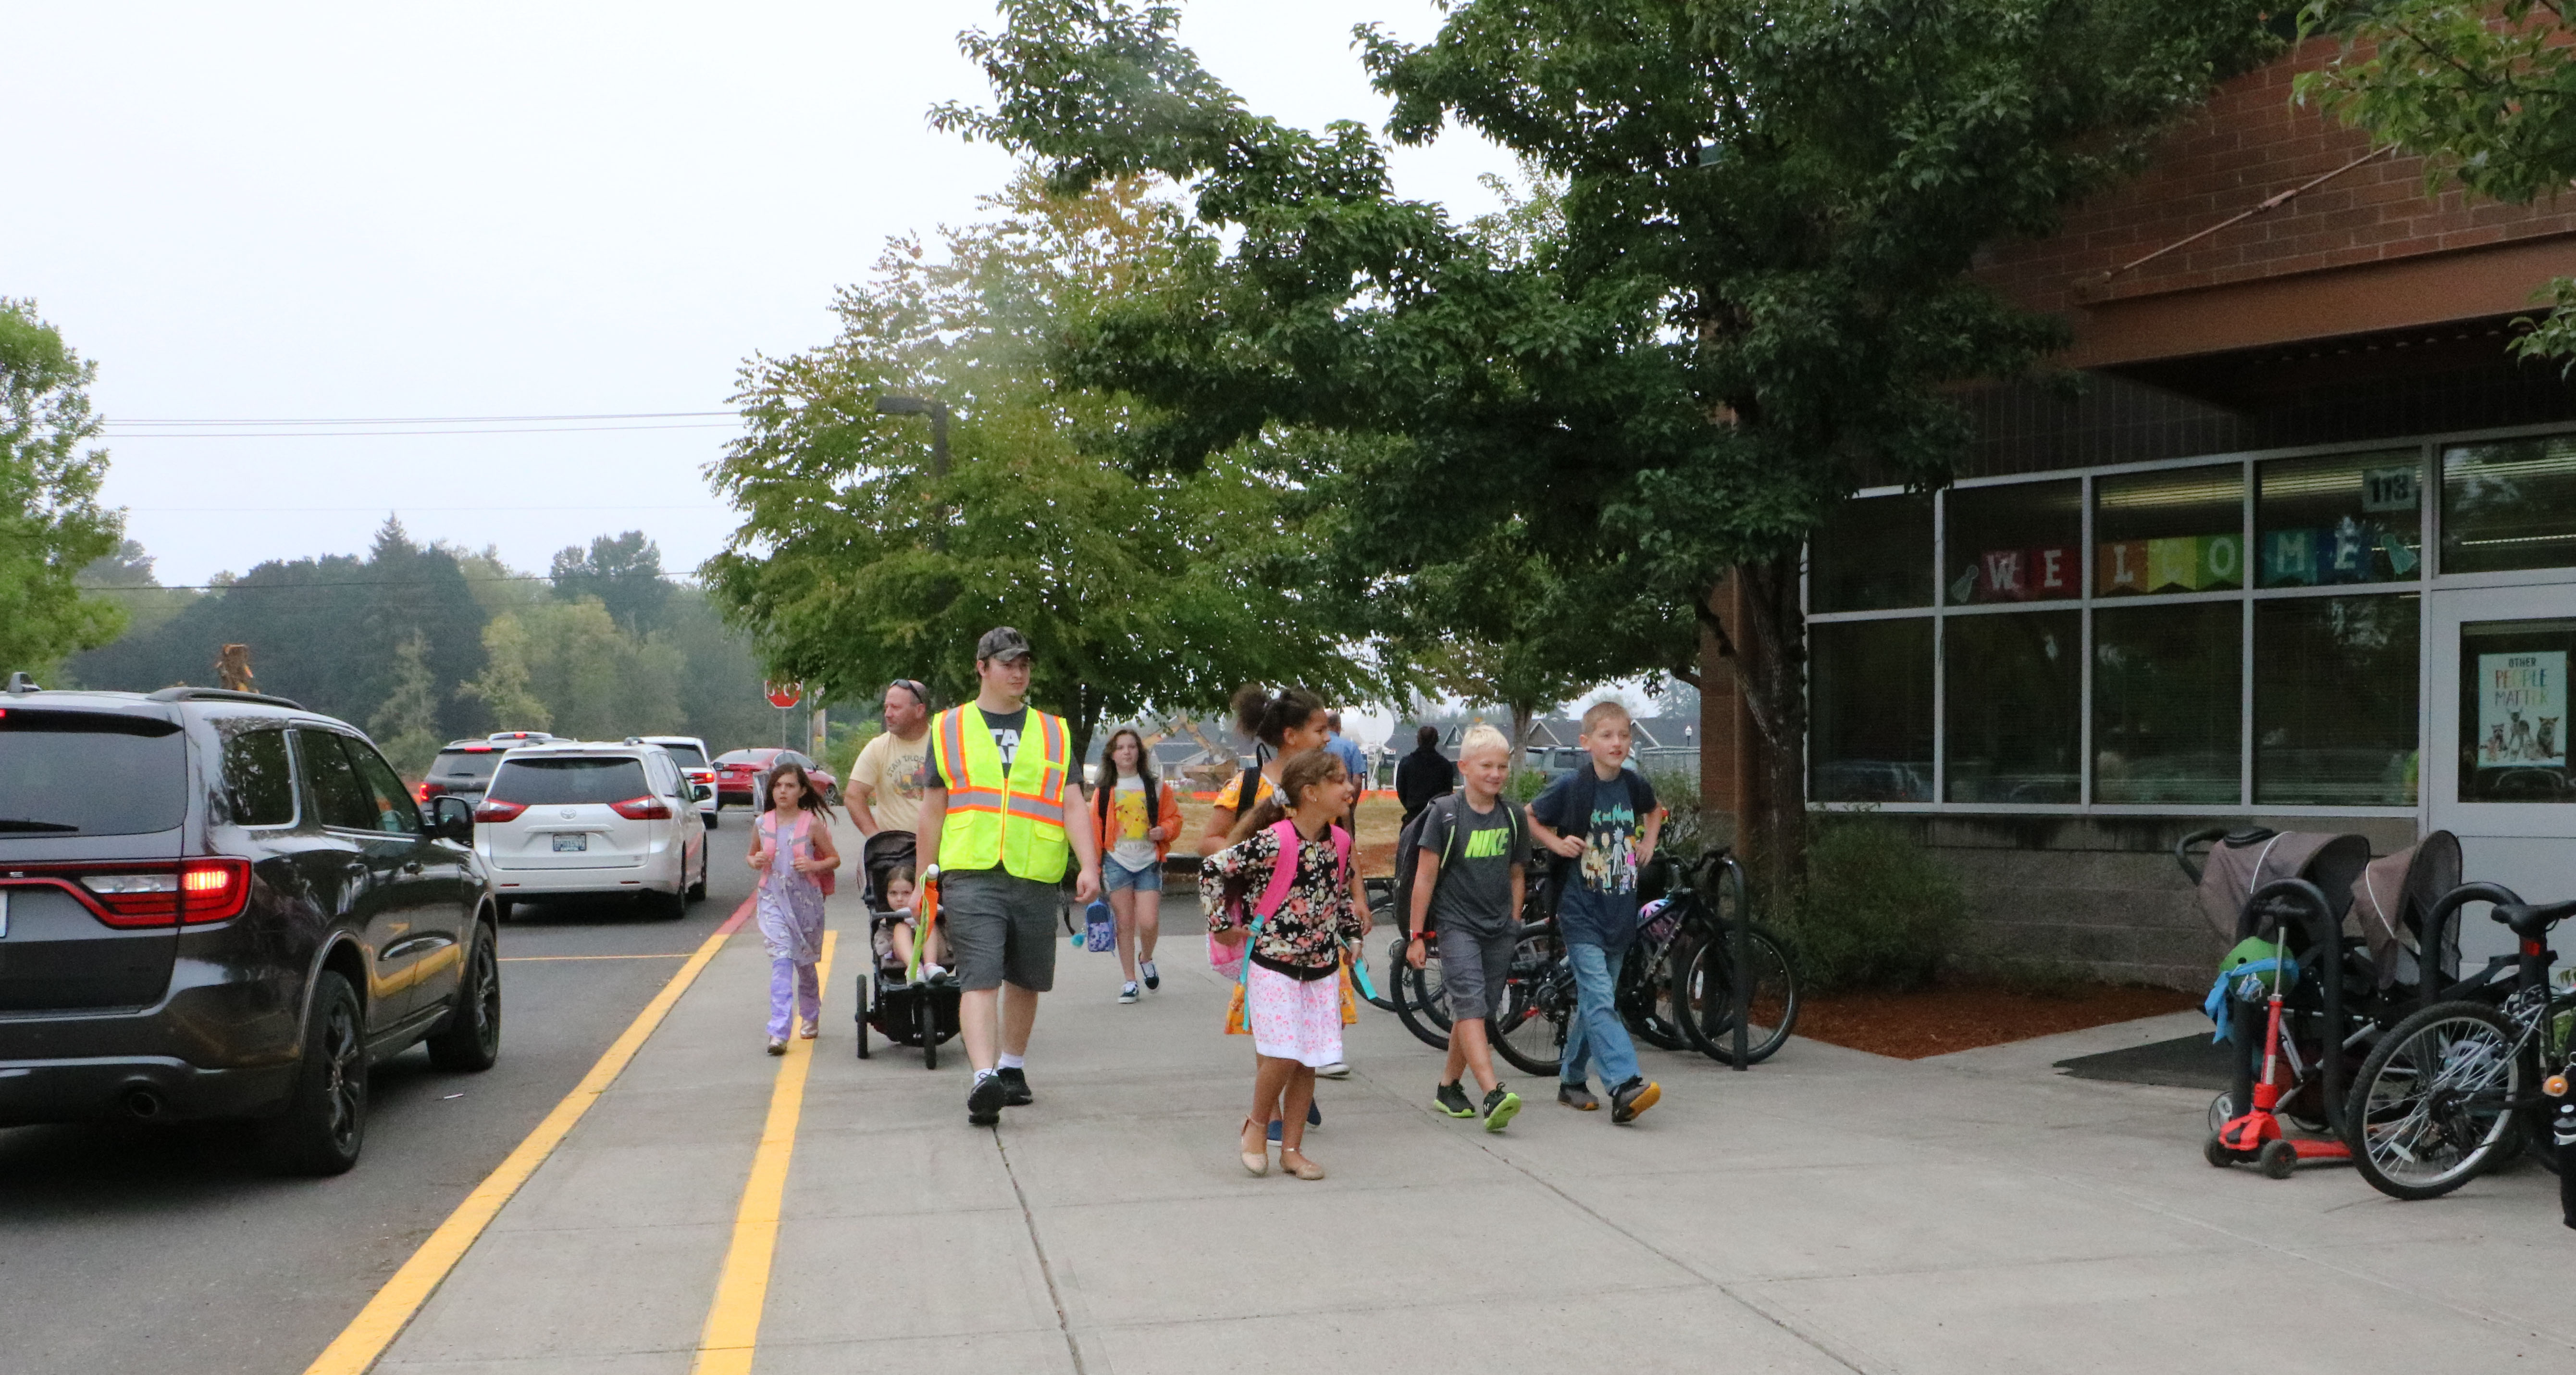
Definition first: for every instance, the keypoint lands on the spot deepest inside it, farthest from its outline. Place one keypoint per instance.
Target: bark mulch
(1964, 1014)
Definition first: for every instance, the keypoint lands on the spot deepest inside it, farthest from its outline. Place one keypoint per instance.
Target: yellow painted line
(732, 1332)
(532, 959)
(382, 1320)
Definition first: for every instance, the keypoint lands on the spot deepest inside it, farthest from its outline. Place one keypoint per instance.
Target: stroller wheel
(2222, 1110)
(2279, 1158)
(929, 1014)
(2215, 1152)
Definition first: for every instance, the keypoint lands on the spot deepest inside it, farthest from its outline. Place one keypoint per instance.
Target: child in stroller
(904, 1011)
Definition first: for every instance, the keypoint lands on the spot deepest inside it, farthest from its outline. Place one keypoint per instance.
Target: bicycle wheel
(1420, 1002)
(1537, 1003)
(1708, 996)
(2433, 1101)
(1647, 987)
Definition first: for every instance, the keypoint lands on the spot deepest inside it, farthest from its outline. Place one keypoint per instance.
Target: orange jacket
(1167, 814)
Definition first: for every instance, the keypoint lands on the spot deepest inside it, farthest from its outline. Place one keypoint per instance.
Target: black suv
(218, 904)
(465, 767)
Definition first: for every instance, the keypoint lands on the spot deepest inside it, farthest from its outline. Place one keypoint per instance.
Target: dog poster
(2522, 709)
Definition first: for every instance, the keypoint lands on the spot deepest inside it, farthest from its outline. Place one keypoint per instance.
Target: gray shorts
(1473, 968)
(999, 929)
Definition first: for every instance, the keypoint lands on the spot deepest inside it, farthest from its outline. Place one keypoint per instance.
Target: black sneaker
(1632, 1098)
(1501, 1106)
(984, 1101)
(1577, 1097)
(1153, 980)
(1452, 1099)
(1015, 1087)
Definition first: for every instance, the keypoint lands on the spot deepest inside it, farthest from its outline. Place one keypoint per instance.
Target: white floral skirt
(1294, 1019)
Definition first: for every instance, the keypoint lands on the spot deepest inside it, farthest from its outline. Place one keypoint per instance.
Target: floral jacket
(1307, 931)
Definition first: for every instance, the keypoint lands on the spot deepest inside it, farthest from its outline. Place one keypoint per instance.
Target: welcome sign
(2522, 709)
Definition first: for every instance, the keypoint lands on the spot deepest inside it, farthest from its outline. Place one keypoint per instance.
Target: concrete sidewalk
(1827, 1211)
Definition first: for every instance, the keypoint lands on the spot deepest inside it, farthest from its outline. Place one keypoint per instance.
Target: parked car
(690, 753)
(219, 905)
(575, 817)
(741, 774)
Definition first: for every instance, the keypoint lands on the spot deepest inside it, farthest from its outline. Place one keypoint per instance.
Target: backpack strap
(1283, 870)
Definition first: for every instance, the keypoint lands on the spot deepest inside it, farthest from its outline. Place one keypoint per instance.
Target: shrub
(1677, 791)
(1879, 911)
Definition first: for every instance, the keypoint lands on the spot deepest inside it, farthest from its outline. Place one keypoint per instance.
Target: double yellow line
(733, 1321)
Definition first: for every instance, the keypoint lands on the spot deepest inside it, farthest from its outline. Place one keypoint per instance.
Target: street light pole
(938, 413)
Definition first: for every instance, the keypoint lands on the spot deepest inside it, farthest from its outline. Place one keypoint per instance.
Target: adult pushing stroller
(905, 1012)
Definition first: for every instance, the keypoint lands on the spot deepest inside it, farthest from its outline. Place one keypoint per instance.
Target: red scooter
(2256, 1135)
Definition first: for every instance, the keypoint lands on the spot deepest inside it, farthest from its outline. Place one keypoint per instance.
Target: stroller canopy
(2394, 894)
(2244, 861)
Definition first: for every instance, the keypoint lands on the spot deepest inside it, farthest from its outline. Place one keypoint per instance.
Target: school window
(2209, 633)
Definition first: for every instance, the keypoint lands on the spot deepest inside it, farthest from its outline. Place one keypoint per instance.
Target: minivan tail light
(646, 808)
(490, 810)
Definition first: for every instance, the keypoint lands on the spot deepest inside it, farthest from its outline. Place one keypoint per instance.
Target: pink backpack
(1228, 959)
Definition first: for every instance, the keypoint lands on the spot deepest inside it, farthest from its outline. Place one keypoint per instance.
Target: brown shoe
(1577, 1097)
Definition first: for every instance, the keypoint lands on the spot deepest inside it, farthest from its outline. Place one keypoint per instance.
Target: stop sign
(785, 695)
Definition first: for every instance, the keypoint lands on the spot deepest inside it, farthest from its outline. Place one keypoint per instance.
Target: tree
(51, 523)
(569, 668)
(624, 572)
(853, 566)
(1759, 295)
(2483, 91)
(127, 571)
(406, 726)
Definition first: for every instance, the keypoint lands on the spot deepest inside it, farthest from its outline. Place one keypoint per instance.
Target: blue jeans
(1597, 1031)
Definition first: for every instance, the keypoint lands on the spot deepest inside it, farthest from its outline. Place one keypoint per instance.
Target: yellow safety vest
(1014, 821)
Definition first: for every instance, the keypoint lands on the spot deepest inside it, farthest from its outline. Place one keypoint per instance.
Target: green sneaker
(1452, 1099)
(1501, 1106)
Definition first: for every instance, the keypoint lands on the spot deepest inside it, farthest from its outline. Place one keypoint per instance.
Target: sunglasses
(919, 693)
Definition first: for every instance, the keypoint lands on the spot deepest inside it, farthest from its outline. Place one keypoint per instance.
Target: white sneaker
(1335, 1070)
(1127, 993)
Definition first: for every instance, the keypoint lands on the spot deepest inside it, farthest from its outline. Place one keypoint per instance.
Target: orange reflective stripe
(952, 736)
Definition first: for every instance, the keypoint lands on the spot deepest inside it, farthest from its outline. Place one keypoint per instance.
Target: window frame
(2428, 578)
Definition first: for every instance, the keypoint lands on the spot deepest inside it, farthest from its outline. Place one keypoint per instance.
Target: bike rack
(2327, 934)
(2436, 935)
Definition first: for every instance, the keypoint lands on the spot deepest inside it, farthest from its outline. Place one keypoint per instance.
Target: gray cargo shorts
(1000, 928)
(1473, 968)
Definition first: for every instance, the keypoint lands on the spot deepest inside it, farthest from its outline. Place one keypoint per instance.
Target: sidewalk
(1827, 1211)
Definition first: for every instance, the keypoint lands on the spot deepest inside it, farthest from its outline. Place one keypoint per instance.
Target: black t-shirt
(1475, 888)
(1006, 727)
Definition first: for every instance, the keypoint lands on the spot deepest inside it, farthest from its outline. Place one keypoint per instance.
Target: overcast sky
(272, 212)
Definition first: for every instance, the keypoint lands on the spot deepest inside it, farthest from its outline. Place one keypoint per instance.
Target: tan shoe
(1257, 1163)
(1296, 1163)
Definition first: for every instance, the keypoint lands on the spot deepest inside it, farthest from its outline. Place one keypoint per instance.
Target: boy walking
(1468, 878)
(1604, 819)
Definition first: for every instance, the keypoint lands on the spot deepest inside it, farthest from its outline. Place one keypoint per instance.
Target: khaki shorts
(1000, 929)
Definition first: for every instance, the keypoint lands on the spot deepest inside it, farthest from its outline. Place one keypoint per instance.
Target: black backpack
(1408, 849)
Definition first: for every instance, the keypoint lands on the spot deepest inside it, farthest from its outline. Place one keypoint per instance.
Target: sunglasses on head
(919, 693)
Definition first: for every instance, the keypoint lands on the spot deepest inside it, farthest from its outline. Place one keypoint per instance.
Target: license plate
(564, 843)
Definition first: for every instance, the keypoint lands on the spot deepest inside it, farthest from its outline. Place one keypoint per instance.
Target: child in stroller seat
(905, 926)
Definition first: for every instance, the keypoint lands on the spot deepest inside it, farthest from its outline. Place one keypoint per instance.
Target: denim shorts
(1114, 876)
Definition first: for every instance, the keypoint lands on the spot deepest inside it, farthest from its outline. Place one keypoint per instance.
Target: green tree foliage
(1759, 293)
(570, 668)
(128, 577)
(51, 524)
(2484, 91)
(406, 726)
(624, 572)
(854, 566)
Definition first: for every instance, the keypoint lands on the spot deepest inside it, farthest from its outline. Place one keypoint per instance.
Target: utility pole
(938, 413)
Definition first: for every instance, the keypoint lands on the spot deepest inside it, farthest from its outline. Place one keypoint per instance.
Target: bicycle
(1704, 990)
(2452, 1090)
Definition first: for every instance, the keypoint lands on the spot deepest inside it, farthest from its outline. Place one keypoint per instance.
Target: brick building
(2298, 550)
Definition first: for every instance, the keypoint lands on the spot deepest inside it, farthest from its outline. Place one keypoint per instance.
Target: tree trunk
(1768, 652)
(1524, 720)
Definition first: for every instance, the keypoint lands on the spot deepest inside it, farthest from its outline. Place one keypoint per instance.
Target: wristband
(1419, 935)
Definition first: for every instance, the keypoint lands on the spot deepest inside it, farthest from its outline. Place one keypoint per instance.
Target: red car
(741, 775)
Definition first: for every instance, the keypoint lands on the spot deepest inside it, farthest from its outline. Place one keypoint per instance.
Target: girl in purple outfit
(792, 849)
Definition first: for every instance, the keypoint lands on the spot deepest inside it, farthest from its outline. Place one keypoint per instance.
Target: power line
(313, 586)
(400, 507)
(422, 419)
(111, 432)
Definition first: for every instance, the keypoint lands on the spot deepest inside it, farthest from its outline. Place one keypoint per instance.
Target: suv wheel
(470, 1043)
(669, 906)
(500, 909)
(325, 1122)
(698, 890)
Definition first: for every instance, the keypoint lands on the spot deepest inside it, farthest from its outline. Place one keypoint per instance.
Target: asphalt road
(124, 1248)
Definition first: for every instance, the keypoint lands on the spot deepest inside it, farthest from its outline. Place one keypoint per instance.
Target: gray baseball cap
(1002, 642)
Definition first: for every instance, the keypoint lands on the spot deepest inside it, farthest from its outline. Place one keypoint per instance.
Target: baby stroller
(2353, 928)
(906, 1013)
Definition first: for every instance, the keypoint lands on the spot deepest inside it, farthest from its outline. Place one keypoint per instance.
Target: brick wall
(2248, 144)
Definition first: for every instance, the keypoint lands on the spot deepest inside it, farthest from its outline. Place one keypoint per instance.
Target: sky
(279, 213)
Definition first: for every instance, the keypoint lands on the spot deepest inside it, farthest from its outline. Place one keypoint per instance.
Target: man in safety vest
(995, 830)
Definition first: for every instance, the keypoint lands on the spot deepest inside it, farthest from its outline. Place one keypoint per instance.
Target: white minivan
(566, 818)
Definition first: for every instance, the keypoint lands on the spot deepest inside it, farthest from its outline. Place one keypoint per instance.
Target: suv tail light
(422, 793)
(491, 810)
(193, 891)
(646, 808)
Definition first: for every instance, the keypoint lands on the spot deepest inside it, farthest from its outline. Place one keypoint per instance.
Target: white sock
(1010, 1061)
(983, 1074)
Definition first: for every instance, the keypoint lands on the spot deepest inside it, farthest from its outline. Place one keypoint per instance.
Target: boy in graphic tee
(1602, 818)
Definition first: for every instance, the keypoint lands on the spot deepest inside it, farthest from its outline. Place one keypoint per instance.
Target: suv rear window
(689, 756)
(470, 765)
(548, 782)
(90, 773)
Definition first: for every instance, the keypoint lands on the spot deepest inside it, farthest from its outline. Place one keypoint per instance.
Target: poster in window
(2522, 709)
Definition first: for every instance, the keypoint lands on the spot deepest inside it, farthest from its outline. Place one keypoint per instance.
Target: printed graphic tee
(1006, 727)
(1475, 892)
(892, 769)
(1599, 905)
(1130, 825)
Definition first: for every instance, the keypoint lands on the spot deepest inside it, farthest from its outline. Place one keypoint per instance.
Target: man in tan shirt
(885, 785)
